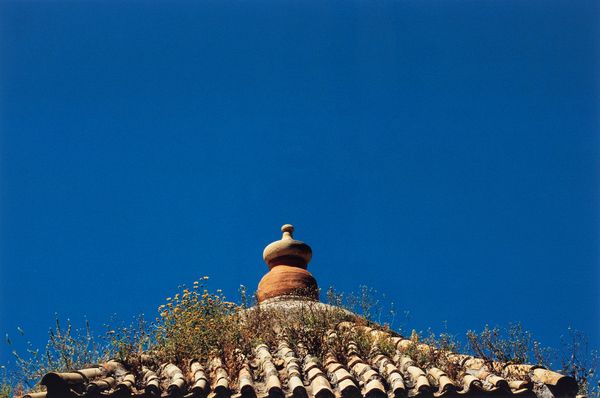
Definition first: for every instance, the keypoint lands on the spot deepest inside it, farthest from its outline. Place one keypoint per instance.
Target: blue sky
(443, 153)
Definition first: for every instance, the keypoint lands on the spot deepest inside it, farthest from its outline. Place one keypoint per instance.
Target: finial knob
(288, 230)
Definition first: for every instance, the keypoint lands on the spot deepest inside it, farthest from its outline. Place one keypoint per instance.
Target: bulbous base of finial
(284, 280)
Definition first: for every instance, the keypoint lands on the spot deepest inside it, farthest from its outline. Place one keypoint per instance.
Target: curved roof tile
(285, 370)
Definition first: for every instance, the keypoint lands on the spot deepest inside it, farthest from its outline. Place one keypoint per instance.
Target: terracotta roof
(393, 367)
(285, 370)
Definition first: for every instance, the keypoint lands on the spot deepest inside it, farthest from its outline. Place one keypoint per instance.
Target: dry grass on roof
(201, 335)
(196, 324)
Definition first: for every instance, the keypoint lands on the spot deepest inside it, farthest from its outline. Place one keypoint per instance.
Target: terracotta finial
(288, 230)
(287, 260)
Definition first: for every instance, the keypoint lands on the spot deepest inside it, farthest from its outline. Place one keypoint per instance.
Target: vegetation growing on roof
(512, 345)
(196, 323)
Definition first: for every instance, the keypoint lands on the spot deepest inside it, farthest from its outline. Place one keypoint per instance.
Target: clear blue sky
(443, 153)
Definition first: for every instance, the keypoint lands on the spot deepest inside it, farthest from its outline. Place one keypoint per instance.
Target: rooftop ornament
(287, 260)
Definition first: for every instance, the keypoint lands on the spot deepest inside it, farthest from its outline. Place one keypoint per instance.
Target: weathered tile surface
(280, 371)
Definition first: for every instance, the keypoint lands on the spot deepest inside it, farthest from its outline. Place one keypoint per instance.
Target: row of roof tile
(281, 371)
